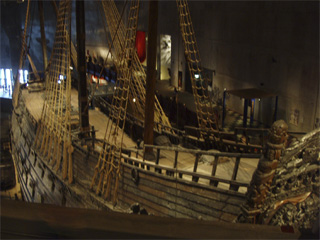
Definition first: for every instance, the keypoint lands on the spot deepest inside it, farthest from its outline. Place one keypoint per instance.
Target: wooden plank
(175, 193)
(49, 221)
(169, 181)
(193, 196)
(162, 200)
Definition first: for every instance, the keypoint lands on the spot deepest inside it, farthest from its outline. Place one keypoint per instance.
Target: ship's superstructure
(244, 182)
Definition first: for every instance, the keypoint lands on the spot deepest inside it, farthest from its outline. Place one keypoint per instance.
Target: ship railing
(250, 135)
(257, 135)
(131, 160)
(173, 134)
(223, 141)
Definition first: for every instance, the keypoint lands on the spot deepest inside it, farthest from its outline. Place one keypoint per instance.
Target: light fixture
(134, 100)
(224, 89)
(21, 75)
(196, 75)
(71, 68)
(115, 88)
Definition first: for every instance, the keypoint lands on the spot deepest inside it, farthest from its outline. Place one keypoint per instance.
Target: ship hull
(159, 193)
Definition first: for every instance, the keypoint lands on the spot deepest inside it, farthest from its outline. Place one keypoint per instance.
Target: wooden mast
(43, 35)
(151, 74)
(81, 59)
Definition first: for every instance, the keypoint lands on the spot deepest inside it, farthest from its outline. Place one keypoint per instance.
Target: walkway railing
(131, 160)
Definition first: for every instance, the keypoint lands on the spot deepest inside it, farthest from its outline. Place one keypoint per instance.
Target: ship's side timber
(161, 190)
(174, 197)
(39, 182)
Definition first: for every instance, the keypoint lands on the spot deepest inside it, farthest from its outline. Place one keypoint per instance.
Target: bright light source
(134, 100)
(259, 99)
(8, 75)
(225, 89)
(196, 75)
(71, 67)
(20, 75)
(2, 76)
(115, 88)
(26, 75)
(59, 81)
(61, 77)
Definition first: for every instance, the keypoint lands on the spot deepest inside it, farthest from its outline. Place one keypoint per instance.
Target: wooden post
(157, 161)
(224, 107)
(150, 81)
(54, 5)
(234, 174)
(214, 169)
(194, 178)
(245, 112)
(43, 35)
(82, 84)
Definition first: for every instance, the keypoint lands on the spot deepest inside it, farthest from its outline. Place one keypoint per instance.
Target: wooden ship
(60, 159)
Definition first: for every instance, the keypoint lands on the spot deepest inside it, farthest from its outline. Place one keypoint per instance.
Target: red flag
(141, 45)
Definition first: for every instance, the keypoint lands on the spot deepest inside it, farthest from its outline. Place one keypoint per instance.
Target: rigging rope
(137, 88)
(205, 113)
(108, 166)
(53, 135)
(15, 95)
(110, 45)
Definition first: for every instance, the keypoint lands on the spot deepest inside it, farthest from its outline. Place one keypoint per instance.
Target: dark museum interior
(202, 116)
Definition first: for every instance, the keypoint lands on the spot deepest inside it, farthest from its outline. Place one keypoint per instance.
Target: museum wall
(273, 46)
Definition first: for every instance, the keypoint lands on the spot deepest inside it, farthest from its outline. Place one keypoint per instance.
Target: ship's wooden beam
(55, 7)
(151, 73)
(43, 35)
(82, 83)
(30, 220)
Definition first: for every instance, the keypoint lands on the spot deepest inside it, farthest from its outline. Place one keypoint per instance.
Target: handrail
(193, 151)
(172, 171)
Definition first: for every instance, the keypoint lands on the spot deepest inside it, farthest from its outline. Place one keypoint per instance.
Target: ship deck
(34, 102)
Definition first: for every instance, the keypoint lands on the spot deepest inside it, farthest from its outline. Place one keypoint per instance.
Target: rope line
(205, 113)
(54, 130)
(138, 83)
(16, 91)
(107, 170)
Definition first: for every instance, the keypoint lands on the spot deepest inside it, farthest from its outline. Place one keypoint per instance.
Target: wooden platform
(34, 102)
(29, 220)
